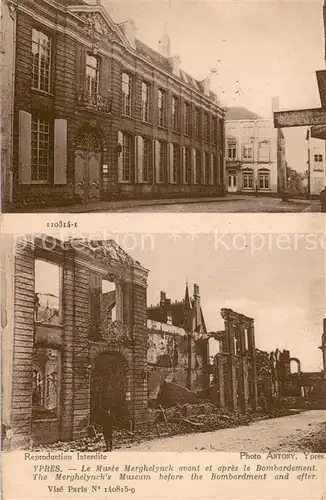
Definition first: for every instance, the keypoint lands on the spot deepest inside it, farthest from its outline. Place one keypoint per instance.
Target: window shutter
(193, 166)
(60, 151)
(25, 147)
(170, 162)
(183, 164)
(120, 157)
(157, 160)
(139, 160)
(203, 170)
(213, 174)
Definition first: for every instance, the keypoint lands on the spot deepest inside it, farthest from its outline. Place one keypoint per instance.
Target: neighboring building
(178, 344)
(255, 154)
(7, 64)
(316, 165)
(100, 115)
(64, 358)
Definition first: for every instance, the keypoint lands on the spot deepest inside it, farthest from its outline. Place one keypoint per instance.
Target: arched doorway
(109, 387)
(88, 161)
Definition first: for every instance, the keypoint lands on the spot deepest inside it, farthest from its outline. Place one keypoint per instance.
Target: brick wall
(77, 353)
(21, 406)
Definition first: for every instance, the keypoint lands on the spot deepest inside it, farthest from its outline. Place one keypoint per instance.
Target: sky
(258, 50)
(280, 285)
(283, 290)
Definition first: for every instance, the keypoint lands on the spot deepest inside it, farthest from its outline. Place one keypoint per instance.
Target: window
(197, 123)
(263, 180)
(147, 159)
(207, 169)
(263, 151)
(126, 94)
(206, 126)
(318, 158)
(47, 298)
(41, 66)
(145, 102)
(247, 178)
(161, 108)
(198, 167)
(92, 70)
(108, 302)
(175, 113)
(175, 163)
(232, 151)
(247, 152)
(186, 117)
(162, 162)
(40, 150)
(126, 158)
(187, 165)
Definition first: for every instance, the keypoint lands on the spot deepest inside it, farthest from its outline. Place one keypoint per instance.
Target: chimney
(206, 84)
(129, 28)
(163, 298)
(275, 104)
(175, 63)
(164, 45)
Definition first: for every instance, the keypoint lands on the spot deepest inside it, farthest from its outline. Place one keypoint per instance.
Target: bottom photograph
(164, 342)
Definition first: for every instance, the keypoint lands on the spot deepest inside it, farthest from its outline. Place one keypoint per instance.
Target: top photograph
(173, 106)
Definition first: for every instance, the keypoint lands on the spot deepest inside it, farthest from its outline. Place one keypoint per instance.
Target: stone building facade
(255, 156)
(65, 357)
(100, 115)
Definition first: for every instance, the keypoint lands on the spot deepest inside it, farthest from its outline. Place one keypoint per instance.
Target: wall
(317, 169)
(168, 358)
(252, 132)
(7, 62)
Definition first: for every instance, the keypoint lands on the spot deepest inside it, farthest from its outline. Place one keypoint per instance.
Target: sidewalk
(111, 206)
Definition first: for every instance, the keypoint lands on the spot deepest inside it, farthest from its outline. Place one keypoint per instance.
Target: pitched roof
(240, 113)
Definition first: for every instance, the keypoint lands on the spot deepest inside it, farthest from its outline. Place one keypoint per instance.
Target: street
(244, 205)
(284, 433)
(227, 204)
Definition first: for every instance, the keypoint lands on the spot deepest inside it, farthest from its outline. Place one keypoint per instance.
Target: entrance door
(232, 187)
(108, 387)
(87, 174)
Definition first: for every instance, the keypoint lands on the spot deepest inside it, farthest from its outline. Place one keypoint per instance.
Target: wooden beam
(321, 80)
(300, 118)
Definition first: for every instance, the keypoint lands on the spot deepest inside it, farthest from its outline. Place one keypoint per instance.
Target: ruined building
(177, 344)
(64, 359)
(78, 338)
(234, 371)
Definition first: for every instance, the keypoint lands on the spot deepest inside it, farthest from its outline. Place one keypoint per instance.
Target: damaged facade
(65, 357)
(177, 348)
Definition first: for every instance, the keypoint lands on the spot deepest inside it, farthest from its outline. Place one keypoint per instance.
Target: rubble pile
(170, 422)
